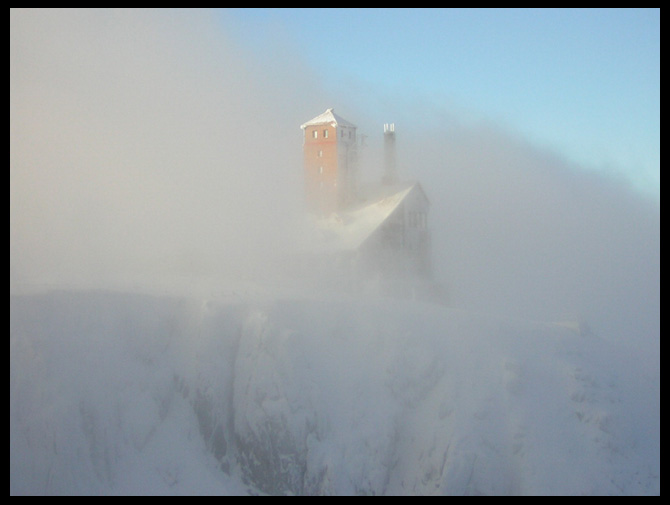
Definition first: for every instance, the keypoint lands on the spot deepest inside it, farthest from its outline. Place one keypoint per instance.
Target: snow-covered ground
(115, 393)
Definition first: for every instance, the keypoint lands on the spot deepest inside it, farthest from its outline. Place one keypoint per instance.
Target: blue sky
(582, 83)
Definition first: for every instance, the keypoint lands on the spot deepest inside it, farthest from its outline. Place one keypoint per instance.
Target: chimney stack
(390, 174)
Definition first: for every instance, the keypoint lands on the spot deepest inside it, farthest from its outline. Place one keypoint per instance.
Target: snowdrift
(115, 393)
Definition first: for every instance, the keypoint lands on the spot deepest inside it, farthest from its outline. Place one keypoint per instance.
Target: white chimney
(390, 175)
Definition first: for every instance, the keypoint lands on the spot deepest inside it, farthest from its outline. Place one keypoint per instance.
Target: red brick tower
(329, 151)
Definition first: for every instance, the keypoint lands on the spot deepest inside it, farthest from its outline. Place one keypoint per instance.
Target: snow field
(113, 393)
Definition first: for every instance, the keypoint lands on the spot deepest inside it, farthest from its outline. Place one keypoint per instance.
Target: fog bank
(147, 144)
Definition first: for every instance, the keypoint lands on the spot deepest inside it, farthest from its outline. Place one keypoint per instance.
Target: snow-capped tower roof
(328, 117)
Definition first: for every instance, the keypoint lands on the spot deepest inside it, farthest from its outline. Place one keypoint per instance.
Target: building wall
(347, 165)
(329, 158)
(402, 244)
(320, 164)
(417, 239)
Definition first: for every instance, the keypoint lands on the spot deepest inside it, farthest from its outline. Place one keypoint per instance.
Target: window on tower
(325, 134)
(315, 134)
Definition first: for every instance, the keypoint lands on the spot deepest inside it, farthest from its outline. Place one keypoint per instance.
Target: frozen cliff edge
(133, 394)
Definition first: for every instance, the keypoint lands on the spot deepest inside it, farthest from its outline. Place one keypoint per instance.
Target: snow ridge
(113, 393)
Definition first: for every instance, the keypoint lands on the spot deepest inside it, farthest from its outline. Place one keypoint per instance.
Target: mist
(142, 144)
(159, 343)
(146, 145)
(523, 232)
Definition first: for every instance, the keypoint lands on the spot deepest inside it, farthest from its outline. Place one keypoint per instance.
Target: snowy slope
(115, 393)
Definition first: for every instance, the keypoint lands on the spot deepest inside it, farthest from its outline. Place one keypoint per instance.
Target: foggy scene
(334, 252)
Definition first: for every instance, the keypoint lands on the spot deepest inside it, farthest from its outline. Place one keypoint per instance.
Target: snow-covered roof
(328, 117)
(347, 230)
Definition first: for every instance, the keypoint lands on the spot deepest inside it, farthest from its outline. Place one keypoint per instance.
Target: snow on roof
(328, 117)
(347, 230)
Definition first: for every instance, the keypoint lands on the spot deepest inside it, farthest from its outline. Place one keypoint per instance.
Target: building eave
(328, 118)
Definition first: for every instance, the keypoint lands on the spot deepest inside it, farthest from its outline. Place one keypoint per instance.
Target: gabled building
(375, 229)
(386, 232)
